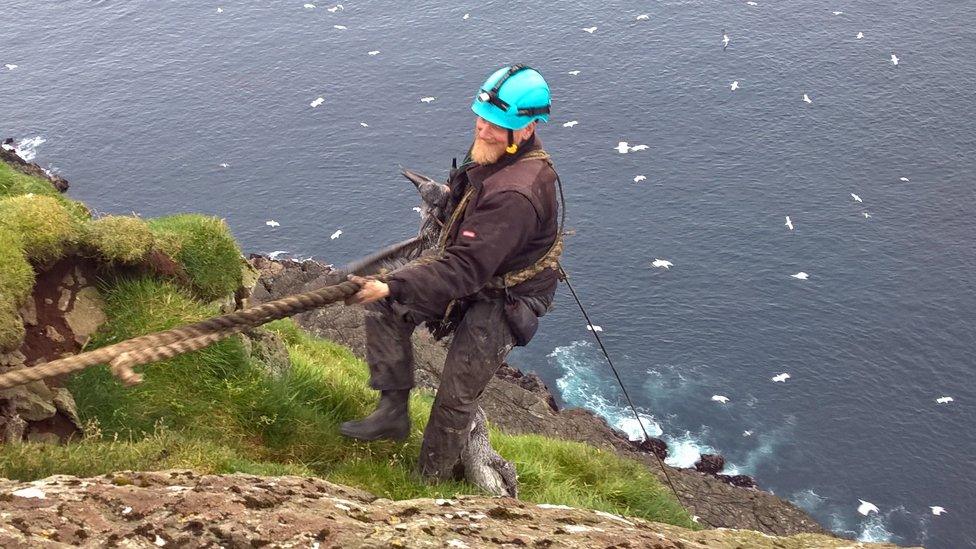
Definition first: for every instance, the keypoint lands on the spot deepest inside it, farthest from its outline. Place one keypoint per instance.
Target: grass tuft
(206, 249)
(16, 274)
(44, 225)
(11, 325)
(120, 239)
(14, 183)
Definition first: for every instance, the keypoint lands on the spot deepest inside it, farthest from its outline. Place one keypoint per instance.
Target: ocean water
(165, 107)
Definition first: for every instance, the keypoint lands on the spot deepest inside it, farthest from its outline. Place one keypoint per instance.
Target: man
(494, 276)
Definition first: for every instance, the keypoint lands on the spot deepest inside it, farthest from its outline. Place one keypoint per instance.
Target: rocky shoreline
(519, 402)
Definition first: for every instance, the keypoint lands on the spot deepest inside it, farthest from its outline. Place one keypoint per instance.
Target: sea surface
(163, 107)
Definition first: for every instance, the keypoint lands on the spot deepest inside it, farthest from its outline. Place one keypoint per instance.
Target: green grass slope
(217, 410)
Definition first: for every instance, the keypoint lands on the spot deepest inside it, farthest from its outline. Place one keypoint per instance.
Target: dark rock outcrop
(710, 463)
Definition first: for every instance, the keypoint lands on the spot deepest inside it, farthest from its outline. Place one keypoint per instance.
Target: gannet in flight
(735, 85)
(789, 223)
(272, 223)
(806, 99)
(866, 507)
(725, 40)
(894, 59)
(856, 198)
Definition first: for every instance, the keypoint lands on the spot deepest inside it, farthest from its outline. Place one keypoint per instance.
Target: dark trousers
(481, 342)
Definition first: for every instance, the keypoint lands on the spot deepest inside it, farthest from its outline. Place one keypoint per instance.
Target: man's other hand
(371, 290)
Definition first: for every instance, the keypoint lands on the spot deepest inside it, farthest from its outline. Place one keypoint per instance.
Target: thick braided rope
(122, 366)
(187, 338)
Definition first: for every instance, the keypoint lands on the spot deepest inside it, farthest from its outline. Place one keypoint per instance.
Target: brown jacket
(510, 222)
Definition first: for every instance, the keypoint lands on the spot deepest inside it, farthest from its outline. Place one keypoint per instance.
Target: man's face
(490, 140)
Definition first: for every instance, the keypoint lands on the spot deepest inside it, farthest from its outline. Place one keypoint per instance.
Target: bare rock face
(268, 349)
(519, 407)
(184, 509)
(60, 316)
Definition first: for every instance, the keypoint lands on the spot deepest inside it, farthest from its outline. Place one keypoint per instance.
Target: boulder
(710, 463)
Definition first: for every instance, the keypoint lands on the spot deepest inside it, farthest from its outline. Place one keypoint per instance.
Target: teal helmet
(513, 97)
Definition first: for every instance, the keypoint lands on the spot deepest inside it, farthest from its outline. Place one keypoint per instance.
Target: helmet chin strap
(512, 148)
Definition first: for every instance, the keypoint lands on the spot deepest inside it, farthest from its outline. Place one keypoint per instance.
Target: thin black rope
(621, 383)
(565, 278)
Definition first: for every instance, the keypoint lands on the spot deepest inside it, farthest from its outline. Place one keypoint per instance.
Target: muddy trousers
(480, 344)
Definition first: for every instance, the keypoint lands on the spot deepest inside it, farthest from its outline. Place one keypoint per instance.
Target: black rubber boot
(389, 420)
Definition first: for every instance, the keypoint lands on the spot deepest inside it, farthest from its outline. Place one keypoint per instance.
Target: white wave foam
(27, 148)
(580, 386)
(873, 529)
(685, 450)
(808, 500)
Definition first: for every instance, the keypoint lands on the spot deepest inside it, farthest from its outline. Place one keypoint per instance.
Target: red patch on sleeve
(469, 234)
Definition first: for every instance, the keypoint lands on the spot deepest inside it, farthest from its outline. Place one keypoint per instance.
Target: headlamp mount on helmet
(491, 96)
